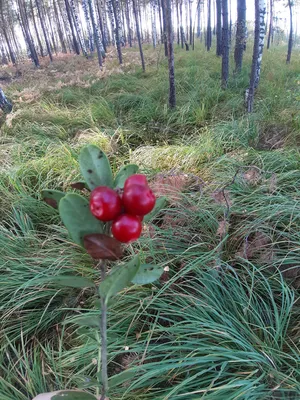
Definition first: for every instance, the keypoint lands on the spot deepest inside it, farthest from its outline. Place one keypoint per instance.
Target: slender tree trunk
(208, 31)
(181, 25)
(191, 21)
(270, 24)
(112, 21)
(199, 19)
(169, 26)
(44, 29)
(96, 33)
(290, 45)
(127, 15)
(36, 29)
(163, 7)
(219, 27)
(225, 46)
(75, 42)
(230, 21)
(59, 29)
(116, 10)
(27, 33)
(103, 34)
(88, 25)
(77, 28)
(240, 40)
(178, 23)
(160, 22)
(260, 11)
(154, 35)
(136, 17)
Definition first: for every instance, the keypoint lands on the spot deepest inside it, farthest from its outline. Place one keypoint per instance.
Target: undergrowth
(223, 323)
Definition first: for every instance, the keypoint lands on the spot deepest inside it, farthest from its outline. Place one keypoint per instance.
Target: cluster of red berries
(125, 209)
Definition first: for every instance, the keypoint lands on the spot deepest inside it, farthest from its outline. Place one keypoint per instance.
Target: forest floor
(223, 322)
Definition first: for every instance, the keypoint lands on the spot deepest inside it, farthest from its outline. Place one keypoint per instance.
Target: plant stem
(103, 329)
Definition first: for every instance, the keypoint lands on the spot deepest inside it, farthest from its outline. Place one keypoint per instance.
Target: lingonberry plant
(113, 214)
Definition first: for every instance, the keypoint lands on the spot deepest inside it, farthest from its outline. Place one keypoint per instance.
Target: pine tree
(240, 40)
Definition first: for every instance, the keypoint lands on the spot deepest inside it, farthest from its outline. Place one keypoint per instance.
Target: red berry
(138, 200)
(105, 203)
(127, 228)
(137, 179)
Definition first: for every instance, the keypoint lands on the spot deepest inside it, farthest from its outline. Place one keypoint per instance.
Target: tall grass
(222, 323)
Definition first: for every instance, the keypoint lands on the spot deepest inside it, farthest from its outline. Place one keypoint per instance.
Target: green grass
(224, 323)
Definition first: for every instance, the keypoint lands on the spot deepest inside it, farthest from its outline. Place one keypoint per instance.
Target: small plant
(112, 216)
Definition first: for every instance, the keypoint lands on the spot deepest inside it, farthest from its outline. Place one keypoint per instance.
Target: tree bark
(59, 29)
(101, 25)
(9, 46)
(290, 45)
(136, 17)
(225, 44)
(219, 27)
(240, 40)
(44, 29)
(163, 7)
(78, 30)
(116, 11)
(260, 10)
(270, 24)
(172, 91)
(96, 33)
(88, 25)
(75, 42)
(36, 30)
(208, 31)
(198, 19)
(127, 16)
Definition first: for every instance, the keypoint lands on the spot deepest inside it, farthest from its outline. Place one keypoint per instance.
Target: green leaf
(52, 197)
(124, 173)
(159, 205)
(71, 281)
(91, 321)
(75, 213)
(95, 167)
(119, 278)
(120, 378)
(147, 273)
(72, 395)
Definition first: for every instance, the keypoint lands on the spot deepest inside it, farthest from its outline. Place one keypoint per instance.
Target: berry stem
(103, 329)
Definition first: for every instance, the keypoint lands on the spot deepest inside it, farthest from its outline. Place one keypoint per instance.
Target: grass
(223, 323)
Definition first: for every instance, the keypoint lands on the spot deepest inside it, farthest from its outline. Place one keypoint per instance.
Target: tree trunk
(27, 33)
(59, 29)
(96, 33)
(191, 21)
(38, 5)
(154, 35)
(75, 42)
(270, 24)
(136, 17)
(9, 46)
(240, 40)
(290, 45)
(163, 7)
(225, 44)
(260, 10)
(36, 30)
(219, 27)
(78, 30)
(112, 21)
(160, 22)
(172, 91)
(88, 25)
(198, 19)
(116, 11)
(181, 25)
(127, 15)
(103, 34)
(208, 31)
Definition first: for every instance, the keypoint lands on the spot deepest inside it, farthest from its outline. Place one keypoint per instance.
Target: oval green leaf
(119, 278)
(147, 273)
(72, 395)
(75, 213)
(95, 167)
(124, 173)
